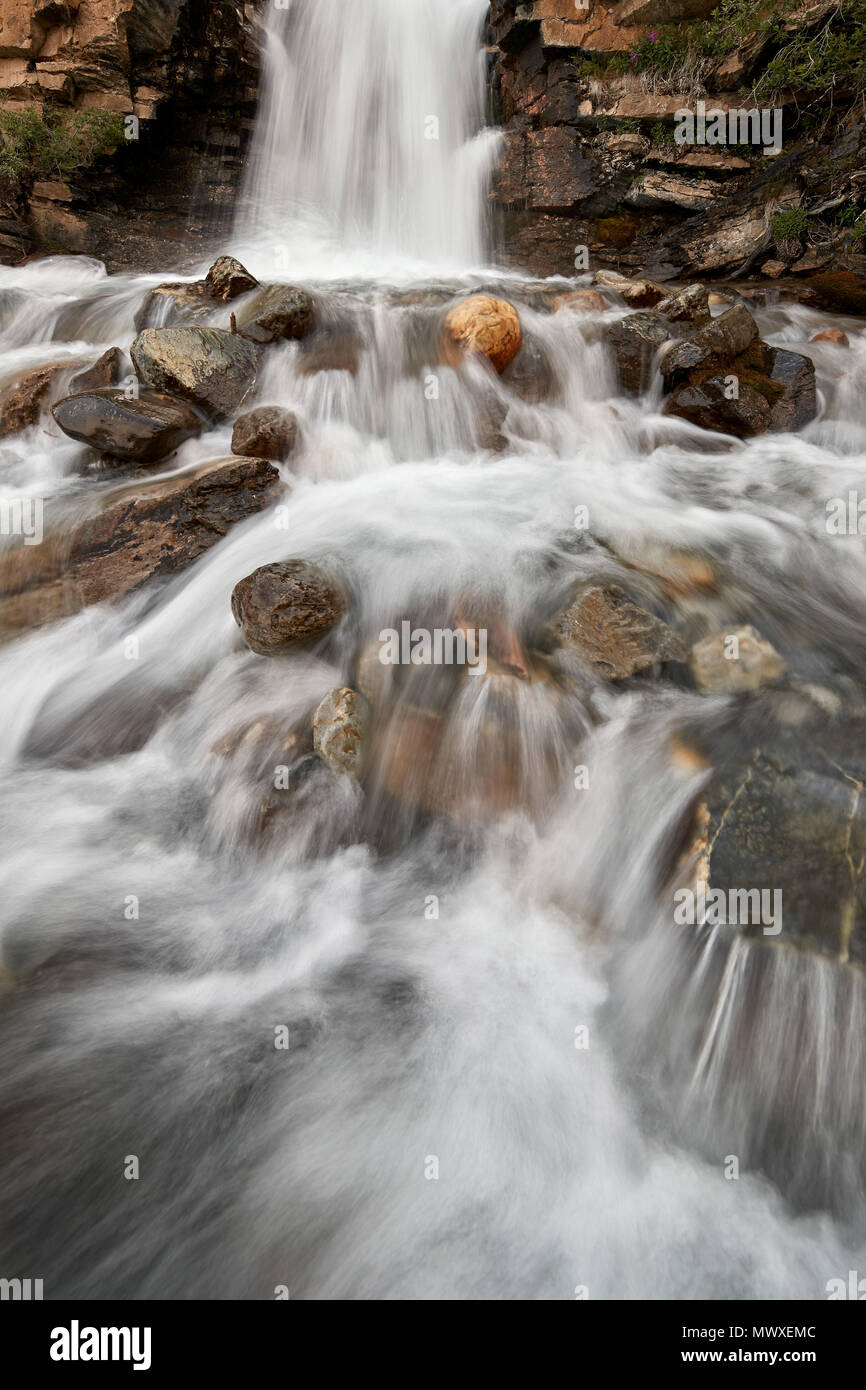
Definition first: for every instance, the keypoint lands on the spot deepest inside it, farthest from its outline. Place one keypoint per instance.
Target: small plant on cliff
(821, 64)
(788, 225)
(36, 144)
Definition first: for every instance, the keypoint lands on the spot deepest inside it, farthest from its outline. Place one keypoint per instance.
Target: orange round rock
(831, 335)
(484, 326)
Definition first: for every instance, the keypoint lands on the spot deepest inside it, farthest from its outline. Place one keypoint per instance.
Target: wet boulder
(210, 367)
(227, 279)
(831, 335)
(642, 294)
(712, 406)
(635, 341)
(339, 730)
(690, 305)
(712, 345)
(107, 370)
(268, 432)
(281, 605)
(484, 327)
(175, 302)
(585, 301)
(615, 636)
(23, 400)
(277, 312)
(148, 529)
(142, 429)
(797, 403)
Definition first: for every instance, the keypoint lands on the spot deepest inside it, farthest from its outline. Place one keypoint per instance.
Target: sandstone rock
(642, 294)
(726, 246)
(813, 259)
(585, 301)
(208, 366)
(174, 303)
(268, 432)
(773, 269)
(610, 279)
(283, 604)
(483, 326)
(558, 174)
(147, 530)
(635, 341)
(107, 370)
(339, 728)
(144, 429)
(831, 335)
(615, 636)
(278, 311)
(22, 402)
(690, 305)
(733, 662)
(658, 190)
(227, 278)
(712, 345)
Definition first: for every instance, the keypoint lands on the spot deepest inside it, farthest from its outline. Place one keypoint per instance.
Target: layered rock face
(186, 70)
(590, 158)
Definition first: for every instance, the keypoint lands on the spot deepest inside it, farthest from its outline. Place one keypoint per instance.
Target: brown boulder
(143, 429)
(277, 312)
(615, 636)
(280, 605)
(147, 530)
(485, 327)
(712, 345)
(208, 366)
(635, 341)
(173, 303)
(107, 370)
(268, 432)
(831, 335)
(227, 278)
(22, 402)
(842, 290)
(690, 305)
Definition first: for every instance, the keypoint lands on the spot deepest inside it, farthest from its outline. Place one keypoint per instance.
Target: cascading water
(432, 1129)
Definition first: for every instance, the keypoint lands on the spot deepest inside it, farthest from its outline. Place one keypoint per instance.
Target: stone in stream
(277, 312)
(635, 341)
(831, 335)
(280, 605)
(227, 279)
(730, 663)
(615, 636)
(143, 429)
(483, 327)
(711, 345)
(339, 729)
(23, 400)
(790, 819)
(712, 406)
(107, 370)
(689, 305)
(268, 432)
(148, 530)
(585, 301)
(173, 303)
(211, 367)
(641, 294)
(795, 374)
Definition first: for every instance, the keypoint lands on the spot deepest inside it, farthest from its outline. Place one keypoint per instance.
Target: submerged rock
(712, 406)
(148, 530)
(485, 327)
(174, 303)
(635, 341)
(268, 432)
(23, 400)
(277, 312)
(339, 728)
(586, 301)
(730, 663)
(615, 636)
(227, 278)
(831, 335)
(208, 366)
(141, 429)
(280, 605)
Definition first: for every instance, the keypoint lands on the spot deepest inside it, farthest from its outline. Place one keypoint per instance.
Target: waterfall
(369, 153)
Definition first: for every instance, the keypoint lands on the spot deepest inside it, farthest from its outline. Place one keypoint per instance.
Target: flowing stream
(443, 942)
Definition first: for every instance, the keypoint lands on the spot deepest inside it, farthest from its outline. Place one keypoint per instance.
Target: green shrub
(36, 144)
(788, 225)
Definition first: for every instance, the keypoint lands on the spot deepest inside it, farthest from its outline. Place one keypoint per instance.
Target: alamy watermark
(738, 126)
(22, 516)
(738, 907)
(439, 646)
